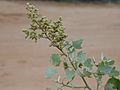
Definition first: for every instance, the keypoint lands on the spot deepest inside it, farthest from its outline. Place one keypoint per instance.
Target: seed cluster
(41, 27)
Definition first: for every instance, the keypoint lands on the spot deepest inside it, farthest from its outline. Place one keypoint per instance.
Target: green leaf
(111, 62)
(86, 72)
(69, 74)
(112, 84)
(55, 59)
(80, 73)
(82, 57)
(73, 56)
(77, 44)
(98, 77)
(69, 47)
(50, 72)
(114, 73)
(104, 68)
(110, 87)
(88, 63)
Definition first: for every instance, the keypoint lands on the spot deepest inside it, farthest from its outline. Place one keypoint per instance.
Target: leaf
(50, 72)
(55, 59)
(67, 45)
(110, 87)
(73, 55)
(69, 74)
(88, 63)
(86, 72)
(106, 69)
(71, 49)
(114, 73)
(77, 44)
(111, 62)
(98, 77)
(82, 57)
(112, 84)
(80, 73)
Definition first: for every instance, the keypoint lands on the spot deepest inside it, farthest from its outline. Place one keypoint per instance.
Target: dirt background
(22, 62)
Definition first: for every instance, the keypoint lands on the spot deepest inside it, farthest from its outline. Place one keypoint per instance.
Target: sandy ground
(22, 62)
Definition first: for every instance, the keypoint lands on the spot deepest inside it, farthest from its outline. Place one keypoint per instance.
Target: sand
(23, 62)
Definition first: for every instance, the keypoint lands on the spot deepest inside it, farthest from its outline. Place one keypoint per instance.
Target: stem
(65, 85)
(98, 86)
(68, 58)
(87, 86)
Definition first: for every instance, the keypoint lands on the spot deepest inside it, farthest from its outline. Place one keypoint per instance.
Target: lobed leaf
(50, 72)
(98, 77)
(55, 59)
(114, 73)
(106, 69)
(112, 84)
(80, 73)
(73, 56)
(77, 44)
(81, 57)
(88, 63)
(87, 73)
(69, 74)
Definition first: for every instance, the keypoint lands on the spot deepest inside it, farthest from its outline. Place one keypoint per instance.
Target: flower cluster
(41, 27)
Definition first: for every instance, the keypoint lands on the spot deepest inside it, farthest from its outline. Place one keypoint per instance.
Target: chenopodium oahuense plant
(72, 58)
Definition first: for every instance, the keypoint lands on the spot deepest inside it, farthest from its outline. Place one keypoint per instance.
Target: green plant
(72, 58)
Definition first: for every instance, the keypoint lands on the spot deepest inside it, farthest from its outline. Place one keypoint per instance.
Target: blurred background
(82, 1)
(23, 62)
(87, 1)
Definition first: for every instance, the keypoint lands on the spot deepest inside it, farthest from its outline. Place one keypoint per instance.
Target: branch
(87, 86)
(69, 86)
(86, 83)
(98, 86)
